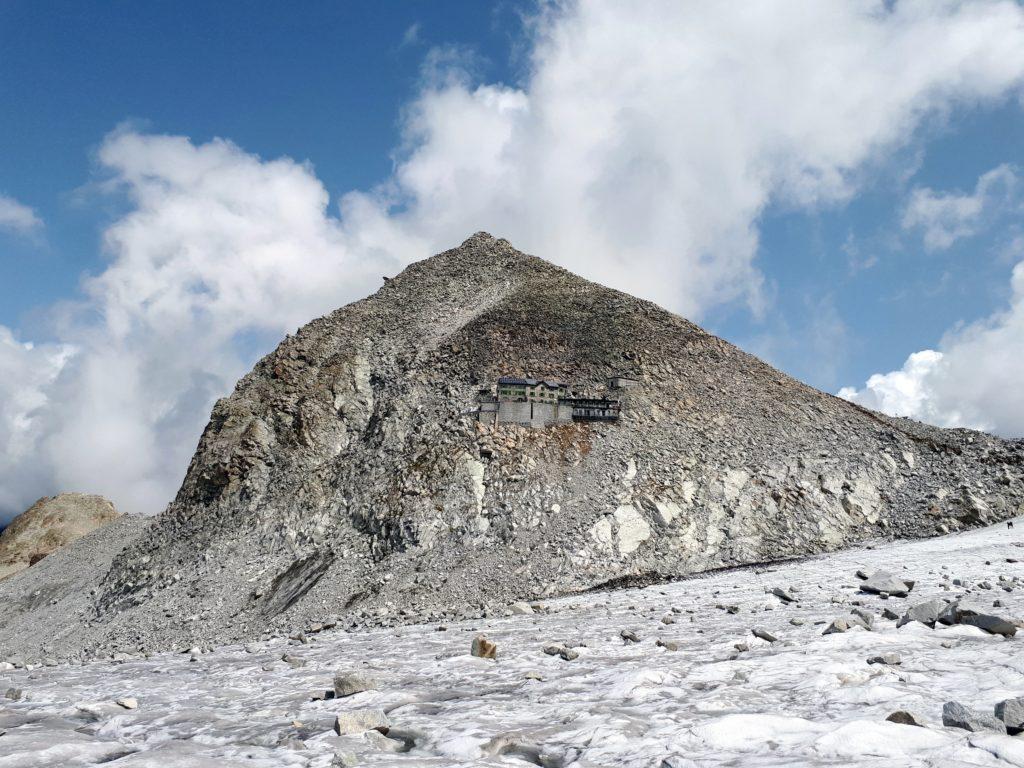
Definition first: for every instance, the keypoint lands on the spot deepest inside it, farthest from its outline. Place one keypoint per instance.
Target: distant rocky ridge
(343, 480)
(49, 524)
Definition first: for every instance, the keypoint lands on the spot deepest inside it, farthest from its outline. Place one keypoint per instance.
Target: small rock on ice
(349, 683)
(484, 648)
(360, 720)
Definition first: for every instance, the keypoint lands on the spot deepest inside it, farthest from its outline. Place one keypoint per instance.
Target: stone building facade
(541, 403)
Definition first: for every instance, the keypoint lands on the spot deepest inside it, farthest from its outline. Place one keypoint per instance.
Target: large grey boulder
(1011, 712)
(956, 715)
(360, 721)
(349, 683)
(954, 613)
(883, 582)
(994, 625)
(927, 613)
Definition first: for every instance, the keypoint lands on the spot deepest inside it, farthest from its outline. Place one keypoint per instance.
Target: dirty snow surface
(806, 700)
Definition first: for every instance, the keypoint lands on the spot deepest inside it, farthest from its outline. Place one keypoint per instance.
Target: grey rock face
(994, 625)
(927, 613)
(1011, 712)
(956, 715)
(360, 721)
(346, 477)
(885, 582)
(349, 683)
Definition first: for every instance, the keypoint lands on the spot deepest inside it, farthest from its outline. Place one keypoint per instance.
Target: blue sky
(321, 81)
(833, 186)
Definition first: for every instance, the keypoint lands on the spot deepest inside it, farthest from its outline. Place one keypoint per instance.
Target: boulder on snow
(903, 717)
(886, 658)
(764, 634)
(360, 721)
(883, 582)
(846, 623)
(782, 594)
(956, 715)
(927, 613)
(484, 648)
(1011, 712)
(349, 683)
(994, 625)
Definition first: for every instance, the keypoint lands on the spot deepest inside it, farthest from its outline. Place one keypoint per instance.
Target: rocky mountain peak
(49, 524)
(349, 476)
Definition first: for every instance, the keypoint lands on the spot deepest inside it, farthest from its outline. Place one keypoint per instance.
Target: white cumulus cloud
(17, 217)
(945, 217)
(972, 380)
(640, 151)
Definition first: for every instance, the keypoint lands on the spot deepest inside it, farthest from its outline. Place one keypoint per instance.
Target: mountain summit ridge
(346, 478)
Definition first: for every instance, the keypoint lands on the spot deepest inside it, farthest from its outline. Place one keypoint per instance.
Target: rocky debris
(938, 611)
(349, 683)
(484, 648)
(905, 718)
(1011, 712)
(837, 626)
(885, 583)
(361, 720)
(345, 476)
(956, 715)
(128, 702)
(568, 654)
(926, 613)
(866, 617)
(379, 741)
(846, 623)
(886, 658)
(764, 634)
(49, 524)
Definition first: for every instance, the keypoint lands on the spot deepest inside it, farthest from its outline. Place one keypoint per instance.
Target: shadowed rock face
(341, 477)
(49, 524)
